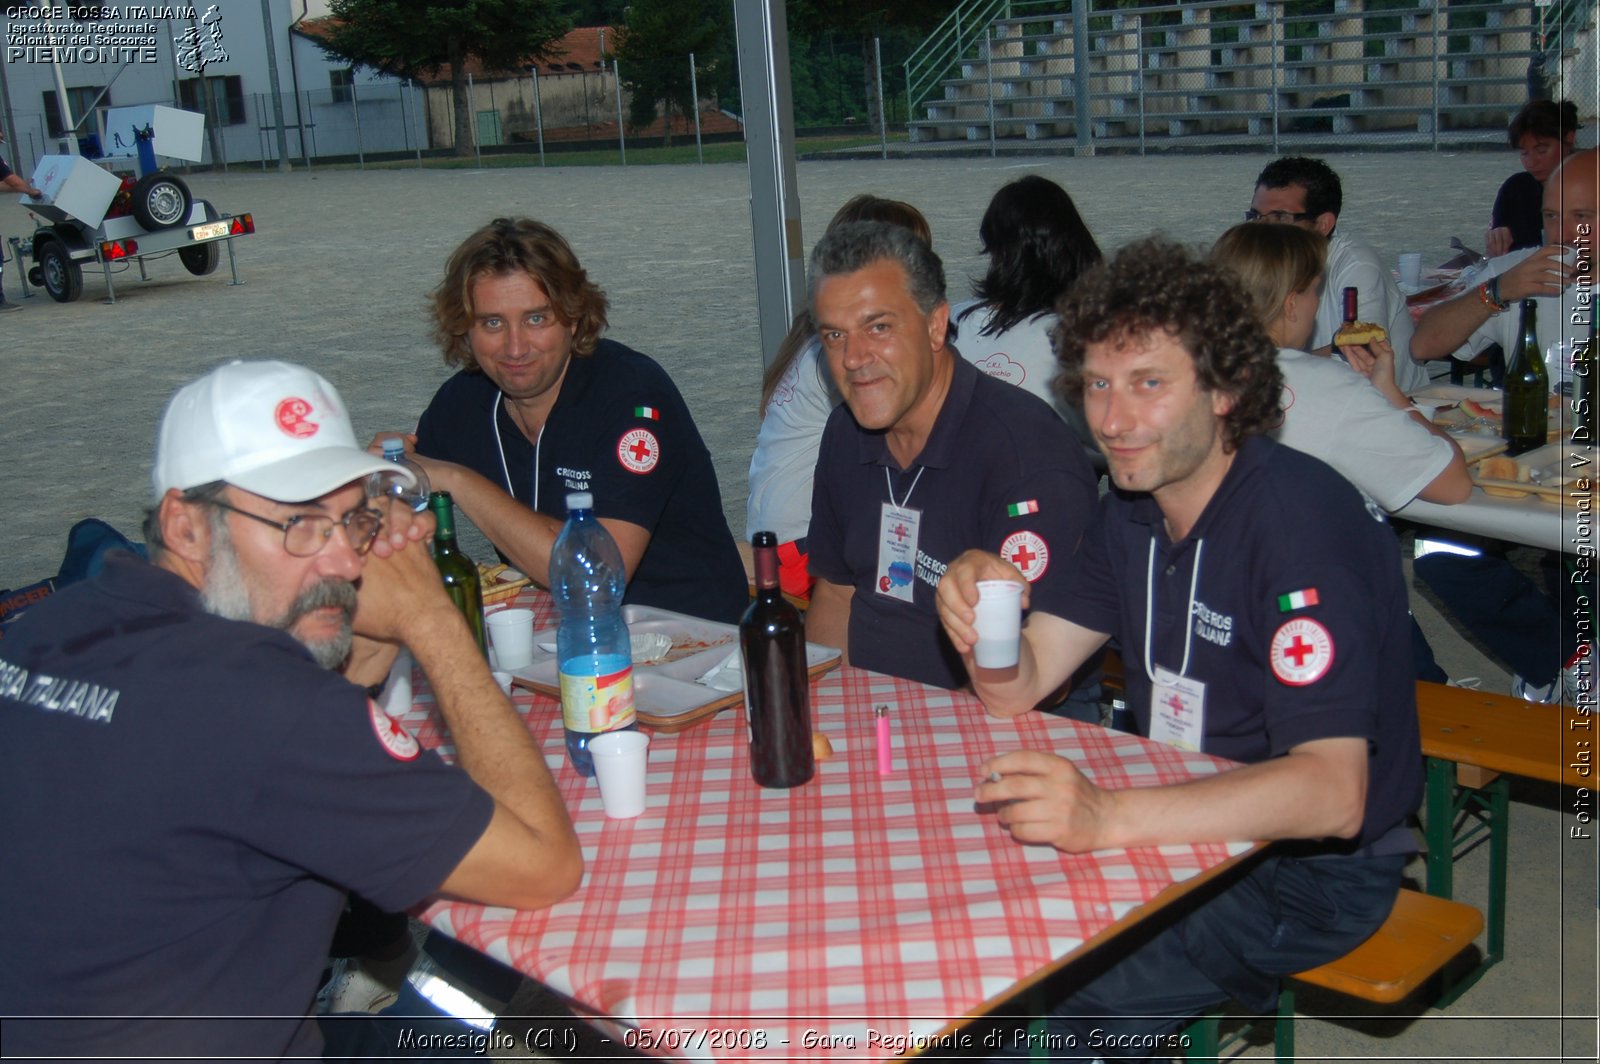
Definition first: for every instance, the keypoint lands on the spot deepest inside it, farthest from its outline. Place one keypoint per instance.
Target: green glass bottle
(1583, 399)
(459, 572)
(1525, 420)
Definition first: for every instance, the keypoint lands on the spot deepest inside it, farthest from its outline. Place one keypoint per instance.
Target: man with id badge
(1261, 615)
(927, 457)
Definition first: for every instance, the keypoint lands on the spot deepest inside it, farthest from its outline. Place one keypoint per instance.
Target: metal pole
(416, 134)
(538, 114)
(988, 78)
(472, 119)
(694, 96)
(1138, 58)
(313, 127)
(11, 124)
(616, 84)
(1080, 75)
(277, 90)
(355, 109)
(1438, 13)
(1277, 70)
(883, 118)
(762, 37)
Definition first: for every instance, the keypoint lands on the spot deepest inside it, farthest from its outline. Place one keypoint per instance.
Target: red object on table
(730, 921)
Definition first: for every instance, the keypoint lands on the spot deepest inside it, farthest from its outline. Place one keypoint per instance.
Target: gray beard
(226, 594)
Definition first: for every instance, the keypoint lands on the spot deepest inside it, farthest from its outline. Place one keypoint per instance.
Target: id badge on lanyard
(897, 551)
(1177, 709)
(1177, 703)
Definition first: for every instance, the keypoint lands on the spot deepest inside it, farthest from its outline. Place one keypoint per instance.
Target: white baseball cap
(272, 428)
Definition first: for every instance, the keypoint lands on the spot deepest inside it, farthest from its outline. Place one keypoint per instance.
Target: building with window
(211, 58)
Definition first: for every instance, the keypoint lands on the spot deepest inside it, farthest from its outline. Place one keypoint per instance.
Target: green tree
(653, 51)
(865, 19)
(411, 40)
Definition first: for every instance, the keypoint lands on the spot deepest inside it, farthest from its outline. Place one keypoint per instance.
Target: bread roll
(1356, 333)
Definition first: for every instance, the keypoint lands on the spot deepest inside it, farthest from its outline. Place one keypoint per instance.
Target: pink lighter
(885, 751)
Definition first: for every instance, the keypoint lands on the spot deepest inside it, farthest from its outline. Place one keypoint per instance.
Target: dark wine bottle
(459, 573)
(777, 691)
(1525, 418)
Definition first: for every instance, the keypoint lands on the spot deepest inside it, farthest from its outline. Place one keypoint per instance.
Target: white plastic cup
(511, 632)
(1411, 269)
(504, 680)
(999, 623)
(619, 764)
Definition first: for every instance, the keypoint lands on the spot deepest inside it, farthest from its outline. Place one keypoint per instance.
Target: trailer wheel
(61, 277)
(200, 259)
(161, 201)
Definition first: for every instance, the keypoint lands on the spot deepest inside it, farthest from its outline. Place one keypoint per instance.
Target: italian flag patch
(1017, 509)
(1297, 600)
(647, 411)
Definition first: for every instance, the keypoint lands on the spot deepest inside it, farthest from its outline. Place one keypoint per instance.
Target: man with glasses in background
(189, 786)
(1306, 192)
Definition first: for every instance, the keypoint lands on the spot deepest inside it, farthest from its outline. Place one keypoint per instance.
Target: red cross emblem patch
(638, 451)
(401, 744)
(1301, 652)
(293, 416)
(1028, 552)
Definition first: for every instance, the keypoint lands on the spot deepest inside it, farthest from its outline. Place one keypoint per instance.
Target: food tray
(665, 693)
(500, 582)
(1472, 417)
(1556, 473)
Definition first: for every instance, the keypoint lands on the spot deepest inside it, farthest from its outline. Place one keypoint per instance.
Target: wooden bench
(1422, 934)
(1472, 740)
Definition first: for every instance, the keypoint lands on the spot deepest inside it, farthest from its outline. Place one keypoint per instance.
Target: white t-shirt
(1021, 355)
(787, 445)
(1333, 413)
(1353, 264)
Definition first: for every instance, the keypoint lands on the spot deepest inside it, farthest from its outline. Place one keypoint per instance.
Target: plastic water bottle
(389, 486)
(595, 660)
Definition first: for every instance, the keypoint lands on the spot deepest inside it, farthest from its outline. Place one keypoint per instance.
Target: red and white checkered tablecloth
(729, 921)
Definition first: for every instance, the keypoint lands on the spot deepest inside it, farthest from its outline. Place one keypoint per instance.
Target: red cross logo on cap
(293, 416)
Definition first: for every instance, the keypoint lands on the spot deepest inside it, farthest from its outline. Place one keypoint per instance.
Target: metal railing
(963, 28)
(1246, 71)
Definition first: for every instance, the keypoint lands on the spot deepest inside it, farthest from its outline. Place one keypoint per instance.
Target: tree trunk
(465, 134)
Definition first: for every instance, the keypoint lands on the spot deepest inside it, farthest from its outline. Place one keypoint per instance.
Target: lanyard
(1150, 607)
(889, 484)
(505, 470)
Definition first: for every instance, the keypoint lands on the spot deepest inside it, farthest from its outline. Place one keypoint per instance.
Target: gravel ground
(337, 275)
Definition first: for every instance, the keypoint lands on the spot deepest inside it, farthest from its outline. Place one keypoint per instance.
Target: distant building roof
(577, 52)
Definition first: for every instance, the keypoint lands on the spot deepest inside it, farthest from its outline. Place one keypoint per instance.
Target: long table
(1527, 520)
(855, 916)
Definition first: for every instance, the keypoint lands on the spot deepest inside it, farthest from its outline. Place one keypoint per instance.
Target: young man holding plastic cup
(1261, 614)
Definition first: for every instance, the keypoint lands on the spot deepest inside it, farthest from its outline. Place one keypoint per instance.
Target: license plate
(209, 231)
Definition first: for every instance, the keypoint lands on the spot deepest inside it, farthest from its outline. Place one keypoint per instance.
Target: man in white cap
(189, 790)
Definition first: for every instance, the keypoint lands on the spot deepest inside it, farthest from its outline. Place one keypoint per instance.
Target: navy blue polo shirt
(186, 801)
(1000, 472)
(1298, 624)
(618, 429)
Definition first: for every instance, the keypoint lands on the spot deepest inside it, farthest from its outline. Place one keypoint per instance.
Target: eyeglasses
(304, 535)
(1281, 217)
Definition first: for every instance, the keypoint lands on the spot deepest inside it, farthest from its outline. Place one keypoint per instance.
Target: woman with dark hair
(1038, 247)
(1543, 133)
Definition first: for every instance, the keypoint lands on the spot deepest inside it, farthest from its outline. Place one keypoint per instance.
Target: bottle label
(596, 703)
